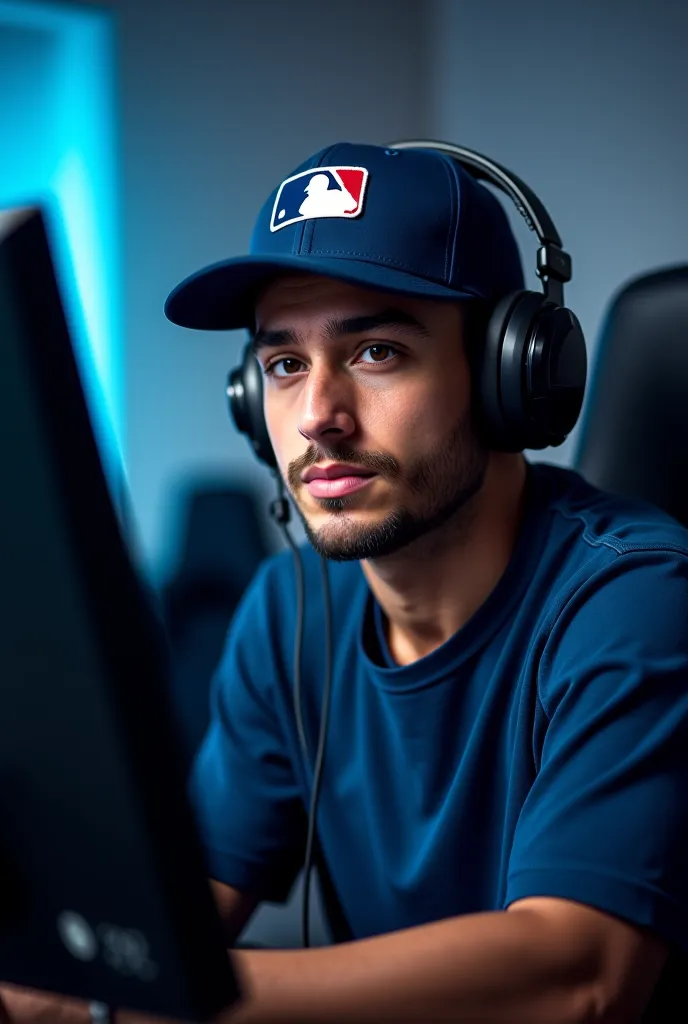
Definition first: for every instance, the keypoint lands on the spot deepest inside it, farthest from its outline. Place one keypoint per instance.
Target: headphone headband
(553, 263)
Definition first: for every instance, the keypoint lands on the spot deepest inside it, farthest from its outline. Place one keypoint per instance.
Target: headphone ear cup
(490, 415)
(519, 329)
(556, 371)
(245, 395)
(532, 374)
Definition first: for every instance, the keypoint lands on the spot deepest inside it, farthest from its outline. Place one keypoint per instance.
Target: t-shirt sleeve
(606, 820)
(248, 806)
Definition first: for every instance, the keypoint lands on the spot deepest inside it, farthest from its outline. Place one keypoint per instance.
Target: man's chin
(320, 513)
(334, 516)
(369, 501)
(360, 535)
(354, 535)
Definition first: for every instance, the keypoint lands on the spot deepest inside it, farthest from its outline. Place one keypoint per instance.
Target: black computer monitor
(103, 887)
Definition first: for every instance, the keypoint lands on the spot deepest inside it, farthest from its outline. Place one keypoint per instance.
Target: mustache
(376, 462)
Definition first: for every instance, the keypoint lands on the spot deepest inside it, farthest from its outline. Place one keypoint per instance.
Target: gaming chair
(634, 438)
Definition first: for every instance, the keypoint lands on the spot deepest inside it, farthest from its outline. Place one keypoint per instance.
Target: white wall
(586, 102)
(220, 100)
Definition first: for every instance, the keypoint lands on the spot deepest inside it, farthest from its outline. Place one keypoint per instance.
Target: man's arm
(543, 961)
(235, 908)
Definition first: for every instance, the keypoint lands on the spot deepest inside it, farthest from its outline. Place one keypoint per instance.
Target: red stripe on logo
(353, 183)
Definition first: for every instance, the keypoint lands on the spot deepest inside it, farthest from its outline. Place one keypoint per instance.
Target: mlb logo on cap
(319, 192)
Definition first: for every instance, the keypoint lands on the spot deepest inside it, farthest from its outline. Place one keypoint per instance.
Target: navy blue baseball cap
(408, 221)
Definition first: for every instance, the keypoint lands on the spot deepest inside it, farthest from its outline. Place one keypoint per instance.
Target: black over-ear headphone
(529, 373)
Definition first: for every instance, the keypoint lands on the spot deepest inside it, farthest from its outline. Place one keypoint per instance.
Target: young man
(503, 811)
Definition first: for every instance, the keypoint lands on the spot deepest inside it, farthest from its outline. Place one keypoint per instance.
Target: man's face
(367, 402)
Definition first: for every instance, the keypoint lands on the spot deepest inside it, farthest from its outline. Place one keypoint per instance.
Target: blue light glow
(57, 119)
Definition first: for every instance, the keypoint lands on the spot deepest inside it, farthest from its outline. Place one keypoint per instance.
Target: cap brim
(222, 297)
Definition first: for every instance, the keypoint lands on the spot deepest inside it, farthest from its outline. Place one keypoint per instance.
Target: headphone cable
(320, 755)
(279, 509)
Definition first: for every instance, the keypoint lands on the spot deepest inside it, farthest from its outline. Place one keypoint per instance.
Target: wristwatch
(101, 1014)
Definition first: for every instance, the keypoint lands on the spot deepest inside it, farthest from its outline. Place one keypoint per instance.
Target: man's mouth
(321, 486)
(336, 480)
(334, 470)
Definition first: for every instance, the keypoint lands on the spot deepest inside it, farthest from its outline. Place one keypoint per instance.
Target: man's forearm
(501, 968)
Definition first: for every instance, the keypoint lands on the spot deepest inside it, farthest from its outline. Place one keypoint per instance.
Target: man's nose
(327, 407)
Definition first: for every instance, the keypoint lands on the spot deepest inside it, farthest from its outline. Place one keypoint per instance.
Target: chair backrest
(635, 433)
(222, 545)
(223, 535)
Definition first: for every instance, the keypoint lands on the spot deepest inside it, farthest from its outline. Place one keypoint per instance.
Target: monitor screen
(103, 887)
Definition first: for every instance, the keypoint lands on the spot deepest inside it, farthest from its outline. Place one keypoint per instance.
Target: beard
(439, 485)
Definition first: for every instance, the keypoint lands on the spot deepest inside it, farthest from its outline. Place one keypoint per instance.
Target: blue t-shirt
(542, 750)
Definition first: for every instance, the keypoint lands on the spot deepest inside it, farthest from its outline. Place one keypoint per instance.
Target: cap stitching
(451, 200)
(307, 238)
(298, 239)
(374, 257)
(453, 173)
(303, 238)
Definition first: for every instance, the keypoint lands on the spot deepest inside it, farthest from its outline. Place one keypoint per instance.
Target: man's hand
(28, 1006)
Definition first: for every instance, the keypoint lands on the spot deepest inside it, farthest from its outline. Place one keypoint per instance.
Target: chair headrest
(222, 536)
(635, 435)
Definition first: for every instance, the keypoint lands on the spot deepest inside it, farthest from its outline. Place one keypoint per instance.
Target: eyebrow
(337, 327)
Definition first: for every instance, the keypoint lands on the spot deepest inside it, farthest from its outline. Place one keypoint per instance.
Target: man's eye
(288, 366)
(283, 367)
(379, 353)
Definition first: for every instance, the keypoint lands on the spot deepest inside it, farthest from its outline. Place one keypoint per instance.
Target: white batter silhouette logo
(319, 192)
